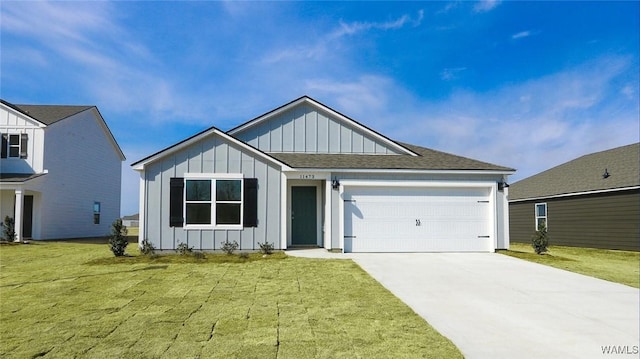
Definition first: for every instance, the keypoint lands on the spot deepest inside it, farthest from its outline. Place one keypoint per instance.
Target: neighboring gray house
(592, 201)
(60, 171)
(307, 175)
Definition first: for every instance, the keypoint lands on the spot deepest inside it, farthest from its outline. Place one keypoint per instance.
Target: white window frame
(538, 217)
(213, 177)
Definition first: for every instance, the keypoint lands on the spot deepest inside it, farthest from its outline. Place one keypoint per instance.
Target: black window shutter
(176, 202)
(5, 144)
(250, 202)
(24, 141)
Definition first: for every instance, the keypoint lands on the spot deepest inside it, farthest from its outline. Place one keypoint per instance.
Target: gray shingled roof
(48, 114)
(584, 174)
(428, 160)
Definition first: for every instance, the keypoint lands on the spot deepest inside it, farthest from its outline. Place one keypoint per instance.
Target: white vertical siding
(307, 129)
(13, 122)
(211, 155)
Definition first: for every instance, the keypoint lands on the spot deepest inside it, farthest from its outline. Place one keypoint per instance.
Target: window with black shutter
(220, 201)
(14, 145)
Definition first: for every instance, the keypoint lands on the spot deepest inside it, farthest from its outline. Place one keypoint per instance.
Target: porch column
(18, 215)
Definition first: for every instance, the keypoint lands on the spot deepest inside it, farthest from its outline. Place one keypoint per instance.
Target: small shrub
(184, 249)
(147, 248)
(9, 229)
(540, 240)
(266, 247)
(229, 248)
(118, 240)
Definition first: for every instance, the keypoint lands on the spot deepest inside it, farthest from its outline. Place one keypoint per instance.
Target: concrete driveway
(495, 306)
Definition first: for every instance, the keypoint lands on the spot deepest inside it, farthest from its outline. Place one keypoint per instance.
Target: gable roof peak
(48, 114)
(318, 105)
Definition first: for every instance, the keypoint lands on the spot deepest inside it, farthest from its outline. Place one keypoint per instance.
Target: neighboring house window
(202, 201)
(541, 215)
(96, 212)
(14, 145)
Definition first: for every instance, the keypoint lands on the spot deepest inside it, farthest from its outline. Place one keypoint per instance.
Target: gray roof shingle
(428, 159)
(584, 174)
(48, 114)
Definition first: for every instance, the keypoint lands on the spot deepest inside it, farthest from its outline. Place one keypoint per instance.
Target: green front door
(303, 216)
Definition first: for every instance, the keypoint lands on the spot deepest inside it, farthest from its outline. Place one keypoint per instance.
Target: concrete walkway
(495, 306)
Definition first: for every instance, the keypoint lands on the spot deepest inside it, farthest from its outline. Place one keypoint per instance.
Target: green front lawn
(66, 299)
(615, 266)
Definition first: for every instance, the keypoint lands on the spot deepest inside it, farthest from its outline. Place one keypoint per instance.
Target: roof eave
(573, 194)
(140, 165)
(403, 170)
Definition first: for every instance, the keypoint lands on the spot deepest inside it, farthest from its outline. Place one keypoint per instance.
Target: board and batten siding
(606, 220)
(307, 129)
(211, 155)
(13, 122)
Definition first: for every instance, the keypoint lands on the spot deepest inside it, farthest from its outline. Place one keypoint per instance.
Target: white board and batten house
(306, 175)
(60, 171)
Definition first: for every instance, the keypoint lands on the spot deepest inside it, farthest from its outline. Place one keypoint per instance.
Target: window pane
(14, 140)
(198, 190)
(14, 151)
(228, 213)
(541, 210)
(228, 190)
(198, 213)
(541, 221)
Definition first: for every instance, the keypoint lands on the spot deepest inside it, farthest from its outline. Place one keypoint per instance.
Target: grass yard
(71, 299)
(615, 266)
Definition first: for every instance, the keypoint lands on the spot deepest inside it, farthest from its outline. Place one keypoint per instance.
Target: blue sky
(528, 85)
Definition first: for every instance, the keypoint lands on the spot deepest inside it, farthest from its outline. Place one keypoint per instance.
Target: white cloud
(450, 74)
(521, 34)
(358, 27)
(486, 5)
(531, 126)
(629, 91)
(358, 98)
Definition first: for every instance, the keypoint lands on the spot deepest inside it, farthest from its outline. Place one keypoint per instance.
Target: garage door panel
(417, 219)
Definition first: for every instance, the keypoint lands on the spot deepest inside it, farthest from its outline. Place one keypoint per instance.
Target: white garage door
(397, 219)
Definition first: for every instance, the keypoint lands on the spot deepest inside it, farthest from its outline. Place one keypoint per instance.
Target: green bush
(540, 240)
(266, 247)
(229, 248)
(147, 248)
(118, 240)
(9, 229)
(184, 249)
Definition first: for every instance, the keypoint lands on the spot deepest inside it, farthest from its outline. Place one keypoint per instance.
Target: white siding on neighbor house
(13, 122)
(84, 167)
(211, 154)
(305, 128)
